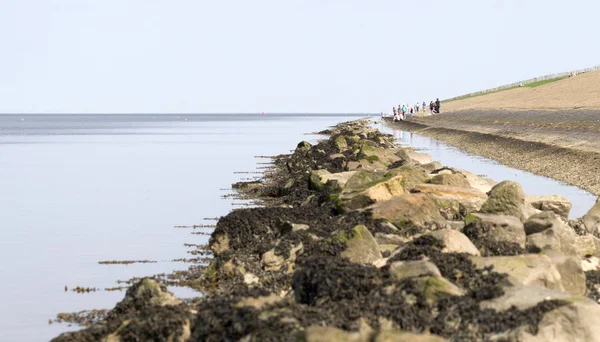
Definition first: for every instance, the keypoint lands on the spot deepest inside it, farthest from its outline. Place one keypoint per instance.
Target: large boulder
(506, 198)
(340, 143)
(557, 204)
(324, 176)
(412, 176)
(420, 158)
(591, 220)
(361, 247)
(435, 288)
(411, 269)
(383, 155)
(528, 269)
(576, 320)
(418, 211)
(542, 221)
(430, 167)
(553, 234)
(365, 188)
(571, 272)
(449, 191)
(455, 242)
(496, 228)
(524, 297)
(477, 182)
(454, 179)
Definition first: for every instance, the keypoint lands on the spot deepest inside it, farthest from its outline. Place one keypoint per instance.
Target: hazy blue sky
(279, 55)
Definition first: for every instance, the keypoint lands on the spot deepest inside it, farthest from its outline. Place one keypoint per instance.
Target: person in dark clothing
(431, 107)
(437, 105)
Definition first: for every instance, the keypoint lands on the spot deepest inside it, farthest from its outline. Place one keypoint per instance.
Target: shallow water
(454, 157)
(78, 189)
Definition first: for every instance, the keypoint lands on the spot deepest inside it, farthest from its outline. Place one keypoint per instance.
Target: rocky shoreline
(361, 240)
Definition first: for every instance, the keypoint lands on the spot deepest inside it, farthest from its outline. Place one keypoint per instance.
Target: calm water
(454, 157)
(78, 189)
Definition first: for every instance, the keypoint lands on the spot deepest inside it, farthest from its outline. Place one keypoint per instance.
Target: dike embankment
(568, 151)
(362, 240)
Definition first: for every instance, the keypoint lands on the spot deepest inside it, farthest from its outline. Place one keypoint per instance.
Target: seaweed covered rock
(484, 229)
(573, 320)
(361, 247)
(505, 198)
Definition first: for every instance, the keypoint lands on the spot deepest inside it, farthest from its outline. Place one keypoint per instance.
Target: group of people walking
(406, 111)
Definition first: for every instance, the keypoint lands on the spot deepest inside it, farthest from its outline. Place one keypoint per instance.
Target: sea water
(79, 189)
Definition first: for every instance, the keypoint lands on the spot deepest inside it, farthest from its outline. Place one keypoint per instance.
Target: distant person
(424, 106)
(404, 108)
(411, 113)
(437, 105)
(431, 107)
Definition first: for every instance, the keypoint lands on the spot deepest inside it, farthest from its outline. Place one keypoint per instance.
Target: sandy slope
(579, 92)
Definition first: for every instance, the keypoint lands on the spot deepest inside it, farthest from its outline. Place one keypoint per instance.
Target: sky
(293, 56)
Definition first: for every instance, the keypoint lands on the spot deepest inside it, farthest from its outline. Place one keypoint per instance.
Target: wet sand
(563, 145)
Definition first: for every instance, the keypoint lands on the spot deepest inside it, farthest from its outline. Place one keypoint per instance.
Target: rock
(219, 244)
(341, 178)
(366, 188)
(314, 180)
(587, 246)
(387, 248)
(303, 146)
(326, 334)
(527, 269)
(150, 292)
(411, 269)
(571, 273)
(456, 180)
(436, 288)
(590, 264)
(271, 261)
(391, 239)
(412, 210)
(362, 247)
(412, 176)
(497, 228)
(340, 143)
(368, 165)
(540, 222)
(251, 279)
(403, 336)
(449, 191)
(575, 321)
(506, 198)
(477, 182)
(557, 204)
(523, 297)
(259, 302)
(382, 155)
(591, 220)
(430, 167)
(286, 227)
(455, 242)
(559, 237)
(360, 180)
(420, 158)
